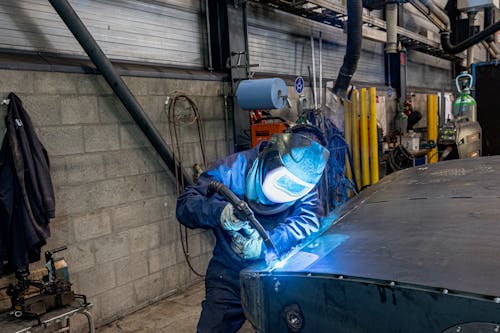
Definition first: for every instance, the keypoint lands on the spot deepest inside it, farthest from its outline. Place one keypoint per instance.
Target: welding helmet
(287, 168)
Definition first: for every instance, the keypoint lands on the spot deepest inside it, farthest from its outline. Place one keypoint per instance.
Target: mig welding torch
(242, 212)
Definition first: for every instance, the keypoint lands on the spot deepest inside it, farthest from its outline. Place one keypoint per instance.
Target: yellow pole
(355, 138)
(365, 159)
(347, 135)
(372, 92)
(432, 126)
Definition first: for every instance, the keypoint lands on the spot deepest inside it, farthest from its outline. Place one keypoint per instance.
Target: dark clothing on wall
(26, 194)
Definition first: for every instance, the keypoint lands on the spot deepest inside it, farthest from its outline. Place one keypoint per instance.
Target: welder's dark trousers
(221, 309)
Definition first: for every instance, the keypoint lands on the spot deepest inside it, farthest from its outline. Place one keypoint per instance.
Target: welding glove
(229, 221)
(248, 246)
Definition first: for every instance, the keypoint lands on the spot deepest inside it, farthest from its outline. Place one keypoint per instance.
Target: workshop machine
(32, 298)
(417, 252)
(263, 126)
(462, 134)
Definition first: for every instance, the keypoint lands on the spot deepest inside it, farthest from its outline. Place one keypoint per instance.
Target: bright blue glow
(281, 186)
(316, 249)
(270, 257)
(280, 264)
(289, 185)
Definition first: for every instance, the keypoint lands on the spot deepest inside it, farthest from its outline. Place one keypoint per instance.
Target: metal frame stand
(10, 324)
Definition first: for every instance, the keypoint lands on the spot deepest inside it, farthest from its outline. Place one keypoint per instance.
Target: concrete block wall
(115, 207)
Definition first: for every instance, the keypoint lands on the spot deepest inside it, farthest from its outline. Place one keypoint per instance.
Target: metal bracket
(229, 62)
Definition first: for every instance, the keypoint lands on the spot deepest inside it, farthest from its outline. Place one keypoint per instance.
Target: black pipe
(245, 36)
(446, 32)
(353, 49)
(487, 21)
(464, 45)
(88, 43)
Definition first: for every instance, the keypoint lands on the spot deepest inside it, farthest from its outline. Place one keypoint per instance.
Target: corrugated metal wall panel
(425, 71)
(168, 32)
(279, 43)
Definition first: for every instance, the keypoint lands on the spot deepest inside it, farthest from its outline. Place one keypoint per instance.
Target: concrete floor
(178, 313)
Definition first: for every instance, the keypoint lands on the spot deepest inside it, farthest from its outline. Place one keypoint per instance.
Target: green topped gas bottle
(464, 107)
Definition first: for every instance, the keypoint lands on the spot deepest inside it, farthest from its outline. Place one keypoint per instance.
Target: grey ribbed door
(167, 31)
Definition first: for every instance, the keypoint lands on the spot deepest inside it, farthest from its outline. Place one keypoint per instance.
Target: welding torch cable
(349, 156)
(174, 121)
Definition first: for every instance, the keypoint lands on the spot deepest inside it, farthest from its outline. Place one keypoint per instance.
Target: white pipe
(470, 51)
(491, 48)
(470, 56)
(391, 15)
(314, 75)
(320, 70)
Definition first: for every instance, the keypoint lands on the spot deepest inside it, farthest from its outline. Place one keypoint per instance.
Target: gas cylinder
(464, 107)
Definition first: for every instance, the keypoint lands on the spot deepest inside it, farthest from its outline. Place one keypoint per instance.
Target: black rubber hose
(464, 45)
(353, 49)
(88, 43)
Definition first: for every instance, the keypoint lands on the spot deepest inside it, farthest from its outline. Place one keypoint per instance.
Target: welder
(277, 179)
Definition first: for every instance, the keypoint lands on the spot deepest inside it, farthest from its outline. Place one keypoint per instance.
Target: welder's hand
(249, 246)
(229, 221)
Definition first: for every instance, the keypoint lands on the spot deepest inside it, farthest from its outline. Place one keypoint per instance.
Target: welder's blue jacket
(196, 209)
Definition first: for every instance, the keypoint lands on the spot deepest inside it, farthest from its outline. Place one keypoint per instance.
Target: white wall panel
(165, 31)
(425, 71)
(280, 44)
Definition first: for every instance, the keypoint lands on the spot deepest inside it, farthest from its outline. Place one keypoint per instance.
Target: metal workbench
(53, 321)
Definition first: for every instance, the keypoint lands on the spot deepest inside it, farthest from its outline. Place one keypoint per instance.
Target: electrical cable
(175, 121)
(336, 182)
(351, 163)
(400, 159)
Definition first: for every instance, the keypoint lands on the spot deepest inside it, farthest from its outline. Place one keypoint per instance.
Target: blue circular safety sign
(299, 84)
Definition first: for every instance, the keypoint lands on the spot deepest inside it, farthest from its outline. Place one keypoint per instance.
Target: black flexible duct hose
(353, 49)
(445, 32)
(464, 45)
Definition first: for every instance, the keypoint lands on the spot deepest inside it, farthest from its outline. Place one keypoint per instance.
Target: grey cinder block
(92, 225)
(79, 110)
(112, 247)
(62, 140)
(131, 268)
(101, 138)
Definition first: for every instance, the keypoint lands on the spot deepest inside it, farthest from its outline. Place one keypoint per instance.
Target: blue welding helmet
(288, 168)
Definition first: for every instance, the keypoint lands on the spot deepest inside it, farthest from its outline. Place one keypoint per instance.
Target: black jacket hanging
(26, 193)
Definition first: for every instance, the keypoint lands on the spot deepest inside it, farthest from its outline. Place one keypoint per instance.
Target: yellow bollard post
(365, 159)
(347, 135)
(355, 138)
(372, 92)
(432, 126)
